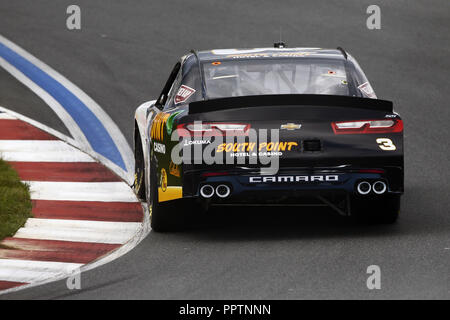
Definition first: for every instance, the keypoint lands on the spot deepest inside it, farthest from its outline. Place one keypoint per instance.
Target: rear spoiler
(289, 99)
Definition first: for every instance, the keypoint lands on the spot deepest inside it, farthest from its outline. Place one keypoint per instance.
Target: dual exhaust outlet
(378, 187)
(222, 191)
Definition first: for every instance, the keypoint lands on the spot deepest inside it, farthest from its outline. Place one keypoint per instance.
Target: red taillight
(214, 174)
(213, 129)
(367, 126)
(370, 171)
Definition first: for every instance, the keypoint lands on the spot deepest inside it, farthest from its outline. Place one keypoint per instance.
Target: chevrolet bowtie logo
(291, 126)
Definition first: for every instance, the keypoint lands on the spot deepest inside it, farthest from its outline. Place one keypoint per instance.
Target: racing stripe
(41, 151)
(81, 191)
(88, 210)
(50, 250)
(76, 106)
(31, 271)
(81, 211)
(64, 171)
(10, 284)
(47, 230)
(19, 130)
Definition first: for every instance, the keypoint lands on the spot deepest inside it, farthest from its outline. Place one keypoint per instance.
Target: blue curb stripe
(92, 128)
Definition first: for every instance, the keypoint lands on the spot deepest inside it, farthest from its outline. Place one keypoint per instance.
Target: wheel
(164, 216)
(139, 169)
(380, 210)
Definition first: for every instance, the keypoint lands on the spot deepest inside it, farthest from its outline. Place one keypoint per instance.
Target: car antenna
(280, 44)
(343, 52)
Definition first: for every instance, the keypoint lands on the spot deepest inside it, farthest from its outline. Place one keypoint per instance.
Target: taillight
(213, 129)
(370, 171)
(367, 126)
(214, 174)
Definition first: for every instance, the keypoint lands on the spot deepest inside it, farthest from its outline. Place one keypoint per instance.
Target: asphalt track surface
(122, 56)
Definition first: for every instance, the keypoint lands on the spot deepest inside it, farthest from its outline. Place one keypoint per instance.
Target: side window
(364, 88)
(191, 79)
(173, 91)
(187, 86)
(162, 99)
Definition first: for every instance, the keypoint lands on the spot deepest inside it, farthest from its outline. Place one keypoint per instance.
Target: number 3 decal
(386, 144)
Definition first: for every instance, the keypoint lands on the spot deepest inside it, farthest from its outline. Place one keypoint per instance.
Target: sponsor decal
(187, 143)
(254, 154)
(366, 88)
(269, 55)
(171, 193)
(261, 147)
(248, 55)
(136, 181)
(158, 124)
(294, 179)
(333, 74)
(159, 147)
(167, 193)
(260, 50)
(292, 54)
(169, 123)
(290, 126)
(174, 169)
(163, 180)
(183, 94)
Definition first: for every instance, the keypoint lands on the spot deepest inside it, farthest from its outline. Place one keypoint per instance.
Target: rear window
(233, 78)
(246, 77)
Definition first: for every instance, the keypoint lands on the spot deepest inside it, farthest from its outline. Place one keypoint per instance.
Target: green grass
(15, 203)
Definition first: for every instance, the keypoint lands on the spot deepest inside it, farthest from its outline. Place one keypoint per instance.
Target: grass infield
(15, 203)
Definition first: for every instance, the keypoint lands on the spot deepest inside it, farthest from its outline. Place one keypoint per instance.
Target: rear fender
(141, 120)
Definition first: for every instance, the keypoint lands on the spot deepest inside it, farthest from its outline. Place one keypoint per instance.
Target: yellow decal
(174, 169)
(163, 180)
(290, 126)
(171, 193)
(158, 124)
(165, 192)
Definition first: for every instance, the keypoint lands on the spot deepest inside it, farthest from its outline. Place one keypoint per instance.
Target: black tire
(139, 169)
(165, 216)
(380, 210)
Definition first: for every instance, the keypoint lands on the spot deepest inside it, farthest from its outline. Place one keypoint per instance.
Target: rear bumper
(248, 185)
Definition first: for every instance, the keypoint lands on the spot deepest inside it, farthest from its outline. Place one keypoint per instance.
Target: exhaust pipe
(207, 191)
(223, 191)
(379, 187)
(364, 187)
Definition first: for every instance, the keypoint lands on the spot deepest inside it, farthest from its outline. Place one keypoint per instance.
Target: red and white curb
(84, 214)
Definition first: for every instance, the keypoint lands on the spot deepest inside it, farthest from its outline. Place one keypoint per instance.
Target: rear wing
(289, 99)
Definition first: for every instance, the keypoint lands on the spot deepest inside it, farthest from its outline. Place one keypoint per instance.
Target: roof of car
(261, 53)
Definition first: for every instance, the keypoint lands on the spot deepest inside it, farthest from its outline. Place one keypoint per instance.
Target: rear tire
(380, 210)
(139, 169)
(165, 216)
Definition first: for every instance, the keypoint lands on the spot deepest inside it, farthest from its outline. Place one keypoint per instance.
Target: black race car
(268, 126)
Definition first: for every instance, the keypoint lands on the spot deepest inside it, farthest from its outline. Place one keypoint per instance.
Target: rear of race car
(342, 152)
(276, 126)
